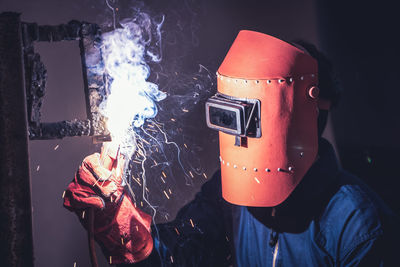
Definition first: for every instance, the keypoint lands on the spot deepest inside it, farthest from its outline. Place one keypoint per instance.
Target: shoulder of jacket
(353, 215)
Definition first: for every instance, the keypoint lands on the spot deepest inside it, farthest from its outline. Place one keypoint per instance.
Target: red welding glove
(122, 230)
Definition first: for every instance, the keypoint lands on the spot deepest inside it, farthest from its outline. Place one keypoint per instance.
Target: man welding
(285, 201)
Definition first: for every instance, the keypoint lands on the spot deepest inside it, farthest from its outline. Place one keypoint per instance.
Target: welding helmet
(266, 111)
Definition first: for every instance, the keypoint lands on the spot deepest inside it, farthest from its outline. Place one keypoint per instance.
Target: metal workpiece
(89, 37)
(93, 76)
(61, 129)
(16, 246)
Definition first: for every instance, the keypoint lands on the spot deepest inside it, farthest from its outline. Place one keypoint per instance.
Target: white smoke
(131, 98)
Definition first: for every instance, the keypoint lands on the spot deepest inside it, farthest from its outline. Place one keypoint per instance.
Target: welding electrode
(108, 158)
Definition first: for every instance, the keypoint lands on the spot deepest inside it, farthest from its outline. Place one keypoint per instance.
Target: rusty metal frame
(89, 37)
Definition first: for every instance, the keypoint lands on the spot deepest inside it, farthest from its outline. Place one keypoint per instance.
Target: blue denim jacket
(330, 219)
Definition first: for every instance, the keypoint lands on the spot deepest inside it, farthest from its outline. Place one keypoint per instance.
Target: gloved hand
(122, 231)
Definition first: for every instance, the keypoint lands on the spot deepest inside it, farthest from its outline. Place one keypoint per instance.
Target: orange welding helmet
(266, 113)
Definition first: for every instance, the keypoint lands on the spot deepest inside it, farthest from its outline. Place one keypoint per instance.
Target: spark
(177, 232)
(83, 215)
(172, 259)
(162, 179)
(74, 264)
(63, 195)
(205, 175)
(258, 181)
(185, 145)
(191, 222)
(137, 181)
(122, 240)
(110, 259)
(163, 173)
(144, 140)
(38, 168)
(170, 192)
(172, 119)
(56, 147)
(185, 110)
(151, 130)
(165, 193)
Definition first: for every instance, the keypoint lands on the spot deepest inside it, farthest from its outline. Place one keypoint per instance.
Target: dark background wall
(359, 38)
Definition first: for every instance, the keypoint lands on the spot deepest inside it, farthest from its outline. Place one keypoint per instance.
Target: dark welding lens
(234, 116)
(223, 118)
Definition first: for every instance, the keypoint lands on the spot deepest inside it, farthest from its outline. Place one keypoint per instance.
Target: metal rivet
(290, 79)
(281, 80)
(280, 170)
(257, 81)
(301, 154)
(267, 170)
(290, 169)
(255, 169)
(234, 166)
(235, 81)
(268, 81)
(244, 168)
(227, 164)
(220, 159)
(301, 78)
(245, 81)
(223, 162)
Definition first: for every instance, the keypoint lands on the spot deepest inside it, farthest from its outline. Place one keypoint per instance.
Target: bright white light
(132, 99)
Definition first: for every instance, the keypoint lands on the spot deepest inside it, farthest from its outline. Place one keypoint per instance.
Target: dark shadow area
(360, 38)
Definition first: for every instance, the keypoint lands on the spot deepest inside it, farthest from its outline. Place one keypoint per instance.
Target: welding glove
(122, 230)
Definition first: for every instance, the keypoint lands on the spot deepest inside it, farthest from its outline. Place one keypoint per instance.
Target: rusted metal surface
(16, 246)
(93, 76)
(89, 37)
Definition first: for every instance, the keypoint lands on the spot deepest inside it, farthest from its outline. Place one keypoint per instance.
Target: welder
(280, 198)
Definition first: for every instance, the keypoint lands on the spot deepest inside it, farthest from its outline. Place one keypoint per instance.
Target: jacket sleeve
(197, 236)
(375, 251)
